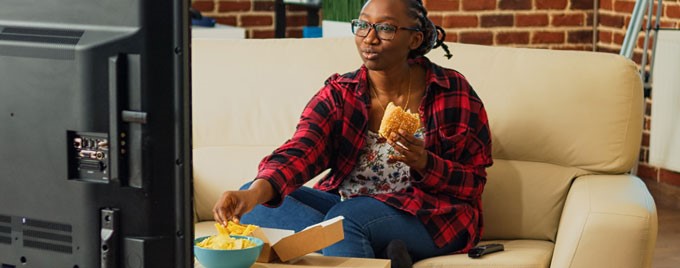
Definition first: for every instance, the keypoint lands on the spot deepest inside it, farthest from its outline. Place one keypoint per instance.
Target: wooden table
(322, 261)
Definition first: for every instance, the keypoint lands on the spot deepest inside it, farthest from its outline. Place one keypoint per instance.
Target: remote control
(482, 250)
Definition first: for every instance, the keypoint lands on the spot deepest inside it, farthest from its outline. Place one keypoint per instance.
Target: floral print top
(375, 172)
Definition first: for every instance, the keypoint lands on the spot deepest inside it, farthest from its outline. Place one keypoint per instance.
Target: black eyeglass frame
(372, 26)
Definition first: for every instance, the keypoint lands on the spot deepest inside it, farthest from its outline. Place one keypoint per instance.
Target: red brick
(644, 24)
(497, 20)
(460, 21)
(606, 4)
(624, 6)
(568, 20)
(648, 108)
(204, 6)
(532, 20)
(436, 19)
(605, 37)
(637, 58)
(262, 5)
(645, 139)
(668, 24)
(574, 47)
(608, 50)
(580, 37)
(512, 38)
(626, 21)
(296, 20)
(551, 4)
(233, 6)
(442, 5)
(481, 38)
(451, 37)
(618, 38)
(672, 11)
(582, 4)
(655, 7)
(479, 4)
(615, 21)
(644, 155)
(648, 123)
(648, 172)
(548, 38)
(294, 33)
(263, 34)
(641, 42)
(230, 20)
(256, 20)
(515, 4)
(669, 177)
(589, 18)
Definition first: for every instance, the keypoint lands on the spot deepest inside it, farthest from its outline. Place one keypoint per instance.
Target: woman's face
(380, 54)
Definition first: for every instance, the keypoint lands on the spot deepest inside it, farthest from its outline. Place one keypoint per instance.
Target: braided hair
(433, 35)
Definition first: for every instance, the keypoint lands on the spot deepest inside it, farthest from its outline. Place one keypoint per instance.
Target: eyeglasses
(385, 31)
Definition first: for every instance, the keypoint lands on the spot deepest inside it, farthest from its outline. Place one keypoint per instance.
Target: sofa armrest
(607, 221)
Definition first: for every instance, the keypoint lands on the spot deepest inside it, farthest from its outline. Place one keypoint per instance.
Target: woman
(404, 196)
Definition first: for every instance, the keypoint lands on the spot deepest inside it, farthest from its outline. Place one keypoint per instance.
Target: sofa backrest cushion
(247, 99)
(524, 200)
(568, 108)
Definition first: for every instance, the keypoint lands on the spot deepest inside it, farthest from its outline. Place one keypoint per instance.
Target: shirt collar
(435, 74)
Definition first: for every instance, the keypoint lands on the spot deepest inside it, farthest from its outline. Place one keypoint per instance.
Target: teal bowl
(229, 258)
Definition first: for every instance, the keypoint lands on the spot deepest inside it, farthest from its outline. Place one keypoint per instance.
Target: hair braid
(433, 35)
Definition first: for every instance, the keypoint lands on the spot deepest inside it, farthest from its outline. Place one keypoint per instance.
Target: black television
(95, 134)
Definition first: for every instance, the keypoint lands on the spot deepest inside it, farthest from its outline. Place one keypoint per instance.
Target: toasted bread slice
(395, 118)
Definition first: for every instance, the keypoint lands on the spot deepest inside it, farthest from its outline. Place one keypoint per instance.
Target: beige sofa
(566, 128)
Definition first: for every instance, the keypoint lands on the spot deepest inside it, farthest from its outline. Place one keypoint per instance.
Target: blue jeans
(369, 224)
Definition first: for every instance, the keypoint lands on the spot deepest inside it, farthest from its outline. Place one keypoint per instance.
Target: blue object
(205, 22)
(311, 32)
(231, 258)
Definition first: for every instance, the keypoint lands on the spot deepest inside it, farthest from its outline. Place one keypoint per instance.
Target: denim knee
(361, 208)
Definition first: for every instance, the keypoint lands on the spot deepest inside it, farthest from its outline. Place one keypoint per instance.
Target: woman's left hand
(411, 149)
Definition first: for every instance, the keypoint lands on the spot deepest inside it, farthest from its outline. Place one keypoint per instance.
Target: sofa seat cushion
(517, 254)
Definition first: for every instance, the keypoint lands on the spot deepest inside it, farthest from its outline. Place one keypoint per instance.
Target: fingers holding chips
(235, 228)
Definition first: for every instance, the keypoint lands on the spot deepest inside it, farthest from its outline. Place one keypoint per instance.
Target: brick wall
(256, 16)
(552, 24)
(555, 24)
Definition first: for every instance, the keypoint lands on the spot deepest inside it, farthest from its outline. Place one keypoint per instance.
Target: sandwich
(396, 118)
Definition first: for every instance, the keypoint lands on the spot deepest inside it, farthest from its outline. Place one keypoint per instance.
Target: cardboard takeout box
(286, 245)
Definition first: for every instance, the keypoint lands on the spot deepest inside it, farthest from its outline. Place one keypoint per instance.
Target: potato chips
(235, 228)
(223, 241)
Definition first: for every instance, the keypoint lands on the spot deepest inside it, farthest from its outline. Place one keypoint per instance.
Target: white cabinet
(219, 31)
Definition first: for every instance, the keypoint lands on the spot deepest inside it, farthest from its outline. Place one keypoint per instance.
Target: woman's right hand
(233, 204)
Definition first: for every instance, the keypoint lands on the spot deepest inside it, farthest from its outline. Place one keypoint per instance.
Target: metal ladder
(634, 28)
(630, 42)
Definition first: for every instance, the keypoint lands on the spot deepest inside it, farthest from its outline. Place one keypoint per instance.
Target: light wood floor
(667, 252)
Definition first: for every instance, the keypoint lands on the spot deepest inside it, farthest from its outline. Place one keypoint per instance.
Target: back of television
(95, 134)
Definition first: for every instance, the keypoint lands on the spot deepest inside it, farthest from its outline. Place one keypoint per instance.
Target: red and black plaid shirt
(332, 132)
